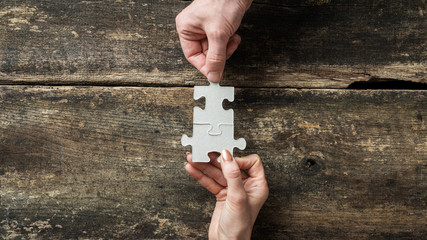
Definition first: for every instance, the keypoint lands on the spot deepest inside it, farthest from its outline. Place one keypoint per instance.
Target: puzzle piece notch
(212, 133)
(213, 114)
(203, 143)
(214, 117)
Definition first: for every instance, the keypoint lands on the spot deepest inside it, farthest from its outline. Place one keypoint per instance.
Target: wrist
(243, 236)
(244, 233)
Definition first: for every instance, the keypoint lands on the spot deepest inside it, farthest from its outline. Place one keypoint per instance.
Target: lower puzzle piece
(203, 143)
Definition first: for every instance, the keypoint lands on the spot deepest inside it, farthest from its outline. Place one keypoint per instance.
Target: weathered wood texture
(303, 44)
(106, 162)
(102, 162)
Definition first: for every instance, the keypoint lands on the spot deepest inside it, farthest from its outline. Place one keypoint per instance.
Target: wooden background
(95, 95)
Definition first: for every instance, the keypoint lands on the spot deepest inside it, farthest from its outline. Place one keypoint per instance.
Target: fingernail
(214, 76)
(185, 164)
(226, 156)
(187, 153)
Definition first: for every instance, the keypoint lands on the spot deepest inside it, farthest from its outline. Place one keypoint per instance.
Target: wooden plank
(106, 162)
(302, 44)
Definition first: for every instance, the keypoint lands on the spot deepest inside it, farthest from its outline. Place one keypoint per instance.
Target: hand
(239, 195)
(206, 30)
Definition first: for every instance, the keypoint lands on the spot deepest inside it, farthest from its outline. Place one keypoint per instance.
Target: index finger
(253, 164)
(193, 51)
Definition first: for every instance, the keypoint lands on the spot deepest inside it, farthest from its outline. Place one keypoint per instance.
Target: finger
(232, 45)
(256, 185)
(215, 58)
(205, 47)
(190, 37)
(214, 156)
(204, 180)
(209, 170)
(193, 52)
(235, 192)
(253, 164)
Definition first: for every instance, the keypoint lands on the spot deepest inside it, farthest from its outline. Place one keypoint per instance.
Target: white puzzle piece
(213, 114)
(213, 127)
(204, 143)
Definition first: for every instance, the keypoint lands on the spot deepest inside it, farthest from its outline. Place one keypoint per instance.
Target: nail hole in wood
(310, 162)
(312, 165)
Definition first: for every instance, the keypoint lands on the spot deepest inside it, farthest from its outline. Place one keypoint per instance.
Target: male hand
(206, 30)
(240, 188)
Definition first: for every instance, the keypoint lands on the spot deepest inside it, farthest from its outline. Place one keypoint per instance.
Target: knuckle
(216, 58)
(221, 195)
(266, 192)
(234, 173)
(239, 199)
(198, 177)
(219, 33)
(237, 38)
(178, 20)
(256, 157)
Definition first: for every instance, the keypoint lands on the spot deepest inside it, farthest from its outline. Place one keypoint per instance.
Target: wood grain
(106, 162)
(301, 44)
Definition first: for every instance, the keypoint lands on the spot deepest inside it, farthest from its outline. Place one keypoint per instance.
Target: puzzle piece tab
(213, 127)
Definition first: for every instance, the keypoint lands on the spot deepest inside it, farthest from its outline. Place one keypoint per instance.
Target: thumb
(236, 193)
(215, 58)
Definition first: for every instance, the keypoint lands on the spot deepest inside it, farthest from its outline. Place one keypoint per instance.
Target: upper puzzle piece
(213, 114)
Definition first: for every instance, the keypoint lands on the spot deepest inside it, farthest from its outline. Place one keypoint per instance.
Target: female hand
(240, 188)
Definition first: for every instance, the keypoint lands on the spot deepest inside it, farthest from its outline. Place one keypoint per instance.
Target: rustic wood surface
(106, 162)
(302, 44)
